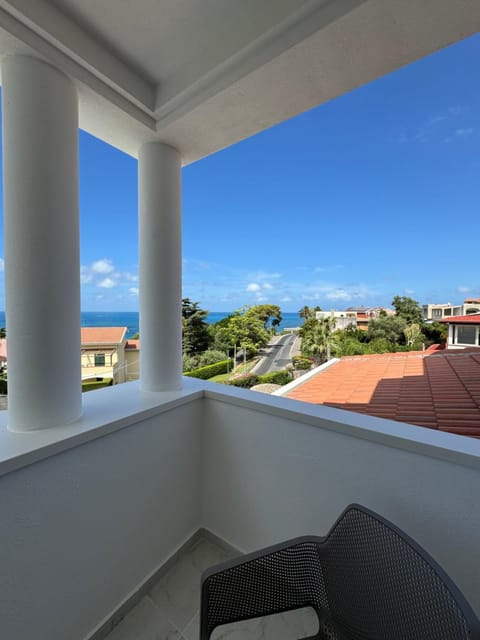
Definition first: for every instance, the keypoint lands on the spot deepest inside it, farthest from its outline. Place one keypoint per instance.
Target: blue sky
(374, 194)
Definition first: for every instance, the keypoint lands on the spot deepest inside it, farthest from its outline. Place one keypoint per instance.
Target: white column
(42, 267)
(160, 267)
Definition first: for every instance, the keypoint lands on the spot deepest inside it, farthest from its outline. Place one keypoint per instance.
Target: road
(276, 356)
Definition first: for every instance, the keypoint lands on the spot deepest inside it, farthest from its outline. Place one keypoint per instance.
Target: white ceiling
(203, 74)
(173, 38)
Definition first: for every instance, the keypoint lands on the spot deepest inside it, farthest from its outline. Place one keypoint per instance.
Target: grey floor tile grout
(167, 617)
(175, 597)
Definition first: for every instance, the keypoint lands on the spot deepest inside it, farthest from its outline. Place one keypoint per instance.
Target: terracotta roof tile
(102, 335)
(132, 344)
(433, 389)
(472, 318)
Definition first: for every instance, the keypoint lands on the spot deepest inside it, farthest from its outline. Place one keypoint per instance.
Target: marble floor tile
(192, 630)
(177, 593)
(245, 630)
(291, 625)
(171, 611)
(205, 554)
(144, 622)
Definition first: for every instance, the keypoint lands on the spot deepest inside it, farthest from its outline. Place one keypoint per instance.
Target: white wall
(80, 530)
(267, 478)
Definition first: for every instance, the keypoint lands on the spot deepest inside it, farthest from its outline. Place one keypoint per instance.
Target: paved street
(276, 356)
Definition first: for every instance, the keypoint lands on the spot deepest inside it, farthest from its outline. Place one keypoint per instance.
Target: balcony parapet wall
(89, 511)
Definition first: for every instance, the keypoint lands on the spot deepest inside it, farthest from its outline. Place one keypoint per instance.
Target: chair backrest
(287, 577)
(381, 585)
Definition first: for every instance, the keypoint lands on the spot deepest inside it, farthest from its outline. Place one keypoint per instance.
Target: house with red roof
(103, 353)
(463, 331)
(435, 389)
(132, 359)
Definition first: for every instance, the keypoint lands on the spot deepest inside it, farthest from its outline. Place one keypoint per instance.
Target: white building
(342, 319)
(463, 331)
(98, 493)
(437, 312)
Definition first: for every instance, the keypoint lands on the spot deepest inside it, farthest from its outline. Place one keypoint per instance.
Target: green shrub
(212, 356)
(99, 383)
(3, 386)
(301, 362)
(190, 363)
(246, 381)
(381, 345)
(275, 377)
(204, 373)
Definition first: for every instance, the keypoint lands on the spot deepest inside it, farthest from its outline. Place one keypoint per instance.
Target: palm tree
(318, 340)
(306, 312)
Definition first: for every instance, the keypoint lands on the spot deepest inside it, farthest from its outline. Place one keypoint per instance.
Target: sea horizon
(130, 319)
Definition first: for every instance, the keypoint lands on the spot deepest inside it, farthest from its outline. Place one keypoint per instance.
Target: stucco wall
(268, 478)
(132, 358)
(80, 530)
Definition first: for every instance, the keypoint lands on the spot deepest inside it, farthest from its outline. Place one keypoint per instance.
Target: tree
(265, 313)
(195, 334)
(435, 333)
(243, 330)
(211, 356)
(408, 309)
(308, 312)
(413, 335)
(317, 338)
(390, 328)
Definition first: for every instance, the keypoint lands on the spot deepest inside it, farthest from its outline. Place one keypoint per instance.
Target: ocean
(129, 319)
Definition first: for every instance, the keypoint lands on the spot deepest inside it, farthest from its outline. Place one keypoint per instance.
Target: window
(466, 334)
(99, 359)
(447, 312)
(437, 313)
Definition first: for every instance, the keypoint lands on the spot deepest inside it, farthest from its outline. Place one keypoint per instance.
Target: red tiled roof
(438, 390)
(132, 344)
(102, 335)
(472, 318)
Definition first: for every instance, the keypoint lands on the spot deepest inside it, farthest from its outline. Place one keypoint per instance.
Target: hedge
(249, 380)
(210, 370)
(275, 377)
(3, 387)
(92, 384)
(246, 381)
(302, 362)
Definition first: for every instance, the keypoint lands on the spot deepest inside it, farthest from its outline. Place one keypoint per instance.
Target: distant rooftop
(471, 318)
(102, 335)
(132, 344)
(439, 390)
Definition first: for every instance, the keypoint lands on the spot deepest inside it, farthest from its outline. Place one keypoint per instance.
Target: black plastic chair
(366, 580)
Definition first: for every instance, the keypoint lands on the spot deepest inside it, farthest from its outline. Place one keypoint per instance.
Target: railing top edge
(105, 411)
(456, 449)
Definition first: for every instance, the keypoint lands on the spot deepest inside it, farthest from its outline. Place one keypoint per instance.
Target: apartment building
(436, 312)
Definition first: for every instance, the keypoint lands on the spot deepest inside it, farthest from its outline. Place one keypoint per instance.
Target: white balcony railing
(90, 511)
